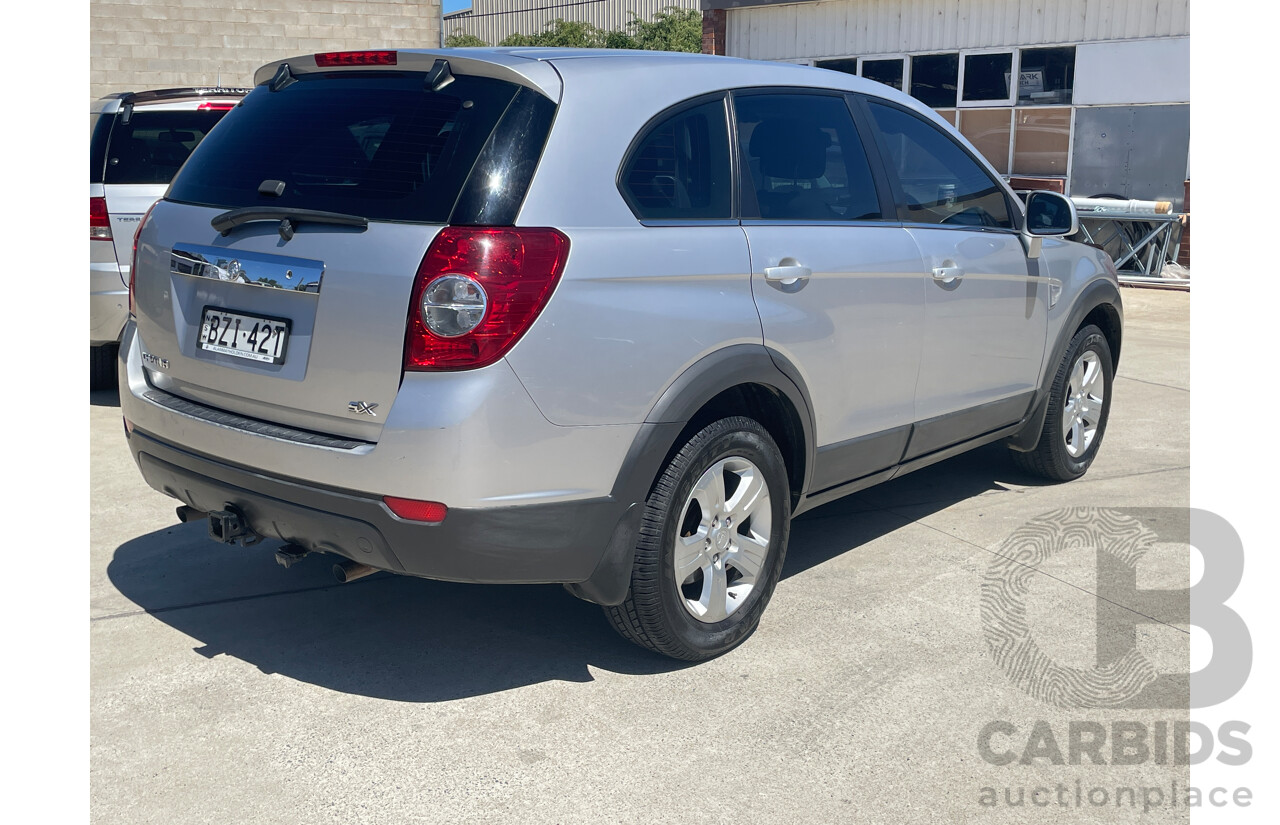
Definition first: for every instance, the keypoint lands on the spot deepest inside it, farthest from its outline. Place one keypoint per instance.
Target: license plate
(255, 337)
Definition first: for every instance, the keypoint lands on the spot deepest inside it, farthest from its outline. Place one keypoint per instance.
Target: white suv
(137, 143)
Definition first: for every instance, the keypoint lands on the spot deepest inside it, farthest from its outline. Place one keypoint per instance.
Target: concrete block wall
(156, 44)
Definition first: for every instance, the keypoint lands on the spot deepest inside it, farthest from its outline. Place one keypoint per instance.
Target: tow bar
(230, 526)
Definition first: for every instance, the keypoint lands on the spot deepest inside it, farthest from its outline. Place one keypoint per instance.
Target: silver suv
(137, 142)
(604, 319)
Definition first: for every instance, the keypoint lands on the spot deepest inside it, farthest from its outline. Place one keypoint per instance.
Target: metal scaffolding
(1141, 243)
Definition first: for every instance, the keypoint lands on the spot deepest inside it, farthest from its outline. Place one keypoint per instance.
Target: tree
(460, 40)
(565, 34)
(671, 30)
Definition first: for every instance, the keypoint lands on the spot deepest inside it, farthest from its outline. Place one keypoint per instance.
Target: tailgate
(126, 204)
(331, 361)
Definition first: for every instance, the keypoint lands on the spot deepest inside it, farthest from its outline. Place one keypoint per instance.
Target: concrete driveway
(227, 689)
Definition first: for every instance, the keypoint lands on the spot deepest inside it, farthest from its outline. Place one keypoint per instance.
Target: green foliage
(671, 30)
(562, 33)
(461, 40)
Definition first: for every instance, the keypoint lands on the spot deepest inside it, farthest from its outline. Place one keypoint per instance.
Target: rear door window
(941, 182)
(378, 145)
(680, 170)
(803, 159)
(152, 146)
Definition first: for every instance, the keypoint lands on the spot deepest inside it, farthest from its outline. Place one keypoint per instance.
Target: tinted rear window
(99, 133)
(152, 146)
(381, 146)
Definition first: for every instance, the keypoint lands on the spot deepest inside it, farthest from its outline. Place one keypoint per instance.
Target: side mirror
(1050, 215)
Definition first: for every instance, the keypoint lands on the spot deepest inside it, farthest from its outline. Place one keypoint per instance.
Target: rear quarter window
(377, 145)
(679, 168)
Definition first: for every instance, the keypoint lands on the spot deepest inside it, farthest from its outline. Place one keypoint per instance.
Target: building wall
(154, 44)
(494, 20)
(837, 28)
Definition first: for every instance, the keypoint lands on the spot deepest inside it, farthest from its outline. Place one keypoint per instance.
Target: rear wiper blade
(227, 221)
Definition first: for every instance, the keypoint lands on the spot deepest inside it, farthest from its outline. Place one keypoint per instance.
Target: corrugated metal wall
(838, 28)
(494, 20)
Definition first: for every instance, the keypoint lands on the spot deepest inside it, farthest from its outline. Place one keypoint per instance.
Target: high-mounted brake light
(432, 512)
(99, 220)
(133, 262)
(216, 107)
(366, 58)
(478, 290)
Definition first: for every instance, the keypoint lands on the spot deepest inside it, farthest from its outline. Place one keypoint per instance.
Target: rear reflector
(216, 107)
(378, 58)
(99, 220)
(432, 512)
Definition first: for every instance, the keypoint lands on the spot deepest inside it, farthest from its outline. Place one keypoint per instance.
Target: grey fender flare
(658, 436)
(1100, 292)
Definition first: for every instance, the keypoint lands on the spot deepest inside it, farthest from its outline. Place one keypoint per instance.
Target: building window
(934, 78)
(987, 77)
(1041, 141)
(888, 72)
(848, 65)
(1046, 76)
(989, 131)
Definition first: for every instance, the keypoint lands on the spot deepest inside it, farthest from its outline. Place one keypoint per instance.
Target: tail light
(99, 220)
(215, 107)
(478, 290)
(133, 262)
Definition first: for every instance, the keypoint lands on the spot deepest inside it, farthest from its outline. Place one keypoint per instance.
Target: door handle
(787, 275)
(947, 274)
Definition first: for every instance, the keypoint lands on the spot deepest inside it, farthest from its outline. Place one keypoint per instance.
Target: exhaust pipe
(349, 571)
(189, 514)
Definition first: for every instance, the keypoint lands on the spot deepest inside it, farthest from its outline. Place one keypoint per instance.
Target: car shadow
(104, 398)
(414, 640)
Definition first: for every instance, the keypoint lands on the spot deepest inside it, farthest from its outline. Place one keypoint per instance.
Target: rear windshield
(152, 146)
(382, 146)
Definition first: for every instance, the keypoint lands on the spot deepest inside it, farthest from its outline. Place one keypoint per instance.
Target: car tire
(729, 539)
(1079, 405)
(102, 367)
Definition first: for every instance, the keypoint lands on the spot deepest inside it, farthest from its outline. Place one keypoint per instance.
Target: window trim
(643, 132)
(1014, 63)
(889, 214)
(1012, 203)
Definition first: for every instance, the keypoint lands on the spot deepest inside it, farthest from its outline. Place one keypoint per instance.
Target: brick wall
(155, 44)
(713, 31)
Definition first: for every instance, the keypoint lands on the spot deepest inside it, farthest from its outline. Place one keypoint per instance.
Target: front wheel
(1079, 403)
(711, 546)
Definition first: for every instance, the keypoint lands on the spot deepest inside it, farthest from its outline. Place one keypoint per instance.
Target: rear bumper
(539, 543)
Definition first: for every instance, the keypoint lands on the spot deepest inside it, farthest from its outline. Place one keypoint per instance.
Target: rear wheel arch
(742, 380)
(749, 380)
